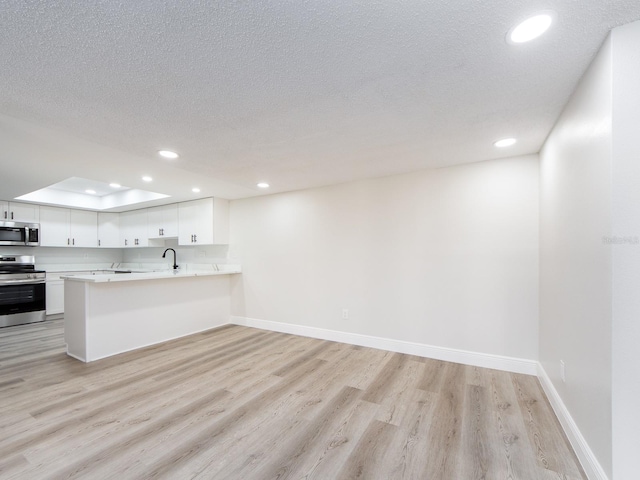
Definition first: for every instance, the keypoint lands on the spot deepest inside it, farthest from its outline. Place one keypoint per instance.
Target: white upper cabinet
(163, 221)
(203, 222)
(19, 212)
(54, 227)
(108, 230)
(64, 227)
(198, 222)
(83, 228)
(133, 229)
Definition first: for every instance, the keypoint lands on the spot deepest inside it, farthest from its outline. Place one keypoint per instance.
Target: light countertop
(140, 276)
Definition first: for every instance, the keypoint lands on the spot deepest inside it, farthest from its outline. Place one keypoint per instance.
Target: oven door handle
(22, 282)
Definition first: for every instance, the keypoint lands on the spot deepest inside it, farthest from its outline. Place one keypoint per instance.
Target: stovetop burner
(18, 264)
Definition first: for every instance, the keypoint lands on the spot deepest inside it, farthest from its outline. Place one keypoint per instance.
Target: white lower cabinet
(55, 296)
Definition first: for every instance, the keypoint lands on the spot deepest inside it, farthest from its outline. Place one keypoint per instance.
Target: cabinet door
(108, 230)
(163, 221)
(170, 220)
(154, 217)
(195, 222)
(24, 212)
(126, 229)
(4, 212)
(55, 297)
(133, 229)
(84, 228)
(54, 227)
(141, 228)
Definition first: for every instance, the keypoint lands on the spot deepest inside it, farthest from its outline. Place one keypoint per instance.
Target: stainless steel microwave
(17, 233)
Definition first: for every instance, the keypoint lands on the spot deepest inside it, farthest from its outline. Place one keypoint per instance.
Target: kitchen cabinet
(163, 221)
(54, 226)
(64, 227)
(83, 228)
(55, 295)
(108, 230)
(19, 212)
(134, 229)
(203, 222)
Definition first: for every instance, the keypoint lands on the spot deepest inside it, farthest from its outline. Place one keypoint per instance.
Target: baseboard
(498, 362)
(590, 464)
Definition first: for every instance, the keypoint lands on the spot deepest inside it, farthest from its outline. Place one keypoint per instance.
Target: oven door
(22, 302)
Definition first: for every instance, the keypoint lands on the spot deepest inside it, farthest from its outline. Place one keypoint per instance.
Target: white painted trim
(486, 360)
(589, 462)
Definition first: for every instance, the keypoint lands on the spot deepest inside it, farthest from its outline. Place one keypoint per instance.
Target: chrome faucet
(175, 265)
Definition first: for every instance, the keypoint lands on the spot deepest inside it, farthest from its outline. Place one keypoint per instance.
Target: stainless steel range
(22, 290)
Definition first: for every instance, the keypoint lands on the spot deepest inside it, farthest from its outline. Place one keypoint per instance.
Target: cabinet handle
(195, 239)
(160, 232)
(73, 241)
(11, 215)
(125, 242)
(68, 242)
(99, 243)
(5, 214)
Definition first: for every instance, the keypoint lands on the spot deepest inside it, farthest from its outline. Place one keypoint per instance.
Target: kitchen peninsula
(115, 313)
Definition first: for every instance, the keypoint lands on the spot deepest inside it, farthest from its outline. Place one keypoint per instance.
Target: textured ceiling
(298, 93)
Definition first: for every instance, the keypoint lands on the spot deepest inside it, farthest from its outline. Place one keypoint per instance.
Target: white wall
(626, 255)
(575, 263)
(444, 257)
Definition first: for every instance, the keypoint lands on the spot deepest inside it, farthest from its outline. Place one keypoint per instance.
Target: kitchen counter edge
(131, 277)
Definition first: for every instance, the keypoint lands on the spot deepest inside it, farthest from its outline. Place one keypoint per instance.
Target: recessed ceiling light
(195, 190)
(263, 185)
(115, 185)
(147, 179)
(531, 28)
(90, 192)
(505, 142)
(168, 154)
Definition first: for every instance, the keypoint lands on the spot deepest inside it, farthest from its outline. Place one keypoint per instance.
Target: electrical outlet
(562, 375)
(345, 313)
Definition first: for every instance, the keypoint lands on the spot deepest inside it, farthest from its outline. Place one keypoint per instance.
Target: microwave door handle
(26, 235)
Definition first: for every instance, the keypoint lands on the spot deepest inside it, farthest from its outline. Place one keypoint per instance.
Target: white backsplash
(77, 259)
(200, 255)
(67, 256)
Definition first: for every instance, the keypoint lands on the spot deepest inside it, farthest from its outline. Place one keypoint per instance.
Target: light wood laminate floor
(241, 403)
